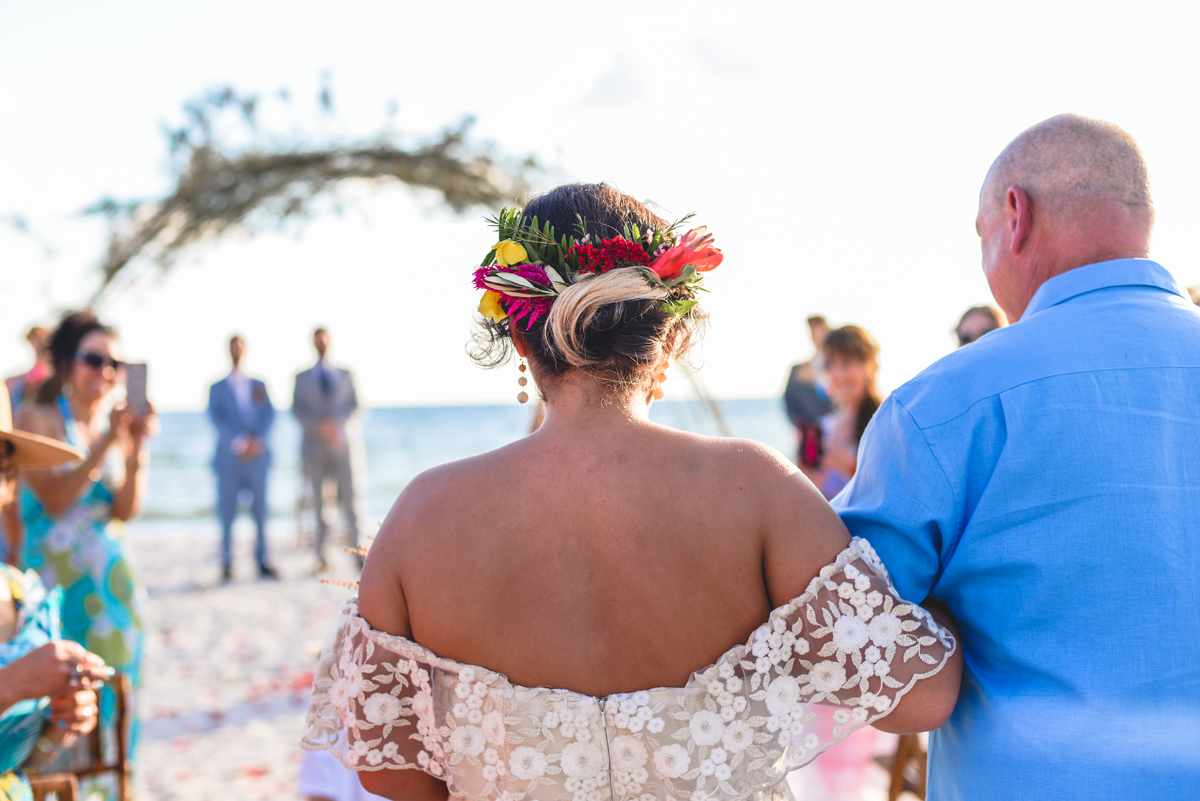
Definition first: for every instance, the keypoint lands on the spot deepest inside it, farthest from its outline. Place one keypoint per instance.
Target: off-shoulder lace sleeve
(372, 703)
(834, 660)
(831, 661)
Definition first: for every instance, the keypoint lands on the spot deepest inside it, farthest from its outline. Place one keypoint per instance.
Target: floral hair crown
(524, 273)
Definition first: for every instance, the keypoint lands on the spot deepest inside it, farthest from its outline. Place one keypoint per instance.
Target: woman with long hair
(68, 513)
(851, 362)
(609, 608)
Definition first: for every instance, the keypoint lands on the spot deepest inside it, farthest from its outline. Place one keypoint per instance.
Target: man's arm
(265, 417)
(349, 406)
(902, 502)
(301, 407)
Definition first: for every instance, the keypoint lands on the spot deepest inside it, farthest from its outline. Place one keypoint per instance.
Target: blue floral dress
(21, 723)
(80, 551)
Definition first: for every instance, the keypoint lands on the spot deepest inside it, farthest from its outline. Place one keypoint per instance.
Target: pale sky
(835, 150)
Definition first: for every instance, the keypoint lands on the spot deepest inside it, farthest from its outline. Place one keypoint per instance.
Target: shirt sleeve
(901, 501)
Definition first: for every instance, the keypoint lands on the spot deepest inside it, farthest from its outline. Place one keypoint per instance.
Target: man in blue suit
(242, 413)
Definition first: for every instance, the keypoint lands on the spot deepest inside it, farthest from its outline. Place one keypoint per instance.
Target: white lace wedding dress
(833, 660)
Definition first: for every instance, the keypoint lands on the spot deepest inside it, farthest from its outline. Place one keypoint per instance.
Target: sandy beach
(228, 668)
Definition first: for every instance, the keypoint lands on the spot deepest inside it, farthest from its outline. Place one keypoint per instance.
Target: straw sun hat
(30, 450)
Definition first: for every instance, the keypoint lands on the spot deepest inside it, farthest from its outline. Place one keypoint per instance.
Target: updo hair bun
(603, 315)
(612, 325)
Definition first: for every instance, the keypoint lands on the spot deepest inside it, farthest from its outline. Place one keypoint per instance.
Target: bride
(705, 617)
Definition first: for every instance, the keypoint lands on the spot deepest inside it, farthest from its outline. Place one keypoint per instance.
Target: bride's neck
(574, 403)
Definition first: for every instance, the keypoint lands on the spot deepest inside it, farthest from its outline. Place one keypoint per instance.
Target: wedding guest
(325, 401)
(47, 686)
(587, 611)
(977, 321)
(1042, 484)
(852, 362)
(26, 384)
(241, 411)
(70, 539)
(806, 396)
(19, 387)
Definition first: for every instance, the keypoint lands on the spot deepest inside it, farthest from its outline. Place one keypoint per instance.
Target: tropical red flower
(693, 248)
(608, 254)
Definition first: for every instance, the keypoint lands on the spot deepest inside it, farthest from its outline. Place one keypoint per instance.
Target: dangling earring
(661, 376)
(522, 396)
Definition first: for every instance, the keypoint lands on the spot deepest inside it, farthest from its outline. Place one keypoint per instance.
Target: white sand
(228, 669)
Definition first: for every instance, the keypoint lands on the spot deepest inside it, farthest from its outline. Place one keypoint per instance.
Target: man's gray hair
(1073, 157)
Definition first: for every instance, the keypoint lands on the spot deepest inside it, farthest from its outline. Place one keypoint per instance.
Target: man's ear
(1019, 208)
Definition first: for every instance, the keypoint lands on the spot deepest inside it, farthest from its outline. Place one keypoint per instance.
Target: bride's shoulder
(445, 493)
(742, 457)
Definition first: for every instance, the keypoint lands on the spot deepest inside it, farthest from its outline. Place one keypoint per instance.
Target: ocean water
(400, 443)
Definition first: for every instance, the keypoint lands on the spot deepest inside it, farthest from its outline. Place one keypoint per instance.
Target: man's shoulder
(962, 378)
(1101, 335)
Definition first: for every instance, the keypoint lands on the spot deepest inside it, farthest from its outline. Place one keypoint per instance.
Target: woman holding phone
(68, 513)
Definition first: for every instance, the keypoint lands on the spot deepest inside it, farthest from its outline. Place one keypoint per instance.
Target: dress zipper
(607, 747)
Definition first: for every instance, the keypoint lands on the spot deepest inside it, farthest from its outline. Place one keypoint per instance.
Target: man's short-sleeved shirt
(1044, 483)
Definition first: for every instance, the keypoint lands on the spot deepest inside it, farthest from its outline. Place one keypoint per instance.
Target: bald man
(1044, 485)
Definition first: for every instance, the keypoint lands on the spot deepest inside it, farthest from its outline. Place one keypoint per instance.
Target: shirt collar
(1102, 275)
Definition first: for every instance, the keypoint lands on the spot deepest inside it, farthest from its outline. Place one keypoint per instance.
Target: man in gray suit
(324, 401)
(242, 413)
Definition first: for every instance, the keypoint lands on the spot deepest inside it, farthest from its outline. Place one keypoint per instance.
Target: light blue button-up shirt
(1044, 483)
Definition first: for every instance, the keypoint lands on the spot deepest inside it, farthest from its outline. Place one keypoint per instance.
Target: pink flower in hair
(529, 309)
(694, 248)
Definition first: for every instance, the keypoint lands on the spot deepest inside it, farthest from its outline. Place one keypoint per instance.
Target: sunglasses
(98, 361)
(967, 339)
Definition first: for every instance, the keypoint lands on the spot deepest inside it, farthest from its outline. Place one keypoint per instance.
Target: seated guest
(47, 686)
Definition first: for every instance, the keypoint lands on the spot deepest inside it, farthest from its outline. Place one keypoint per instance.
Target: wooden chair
(90, 757)
(55, 787)
(906, 767)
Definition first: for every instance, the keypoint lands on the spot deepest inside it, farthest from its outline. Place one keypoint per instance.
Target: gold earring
(522, 396)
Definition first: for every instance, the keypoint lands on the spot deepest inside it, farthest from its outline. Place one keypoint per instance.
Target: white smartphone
(135, 388)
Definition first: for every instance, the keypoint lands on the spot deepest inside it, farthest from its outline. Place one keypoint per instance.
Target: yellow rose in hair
(490, 306)
(509, 252)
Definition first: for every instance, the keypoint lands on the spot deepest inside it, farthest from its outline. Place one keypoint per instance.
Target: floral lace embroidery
(833, 660)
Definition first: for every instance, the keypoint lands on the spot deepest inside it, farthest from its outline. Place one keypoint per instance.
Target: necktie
(326, 384)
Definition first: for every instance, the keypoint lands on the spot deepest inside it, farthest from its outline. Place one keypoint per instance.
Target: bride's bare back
(601, 554)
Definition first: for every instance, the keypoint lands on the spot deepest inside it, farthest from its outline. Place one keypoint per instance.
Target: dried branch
(221, 188)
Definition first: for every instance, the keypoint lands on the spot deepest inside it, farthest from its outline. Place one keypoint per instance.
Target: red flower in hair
(693, 248)
(608, 255)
